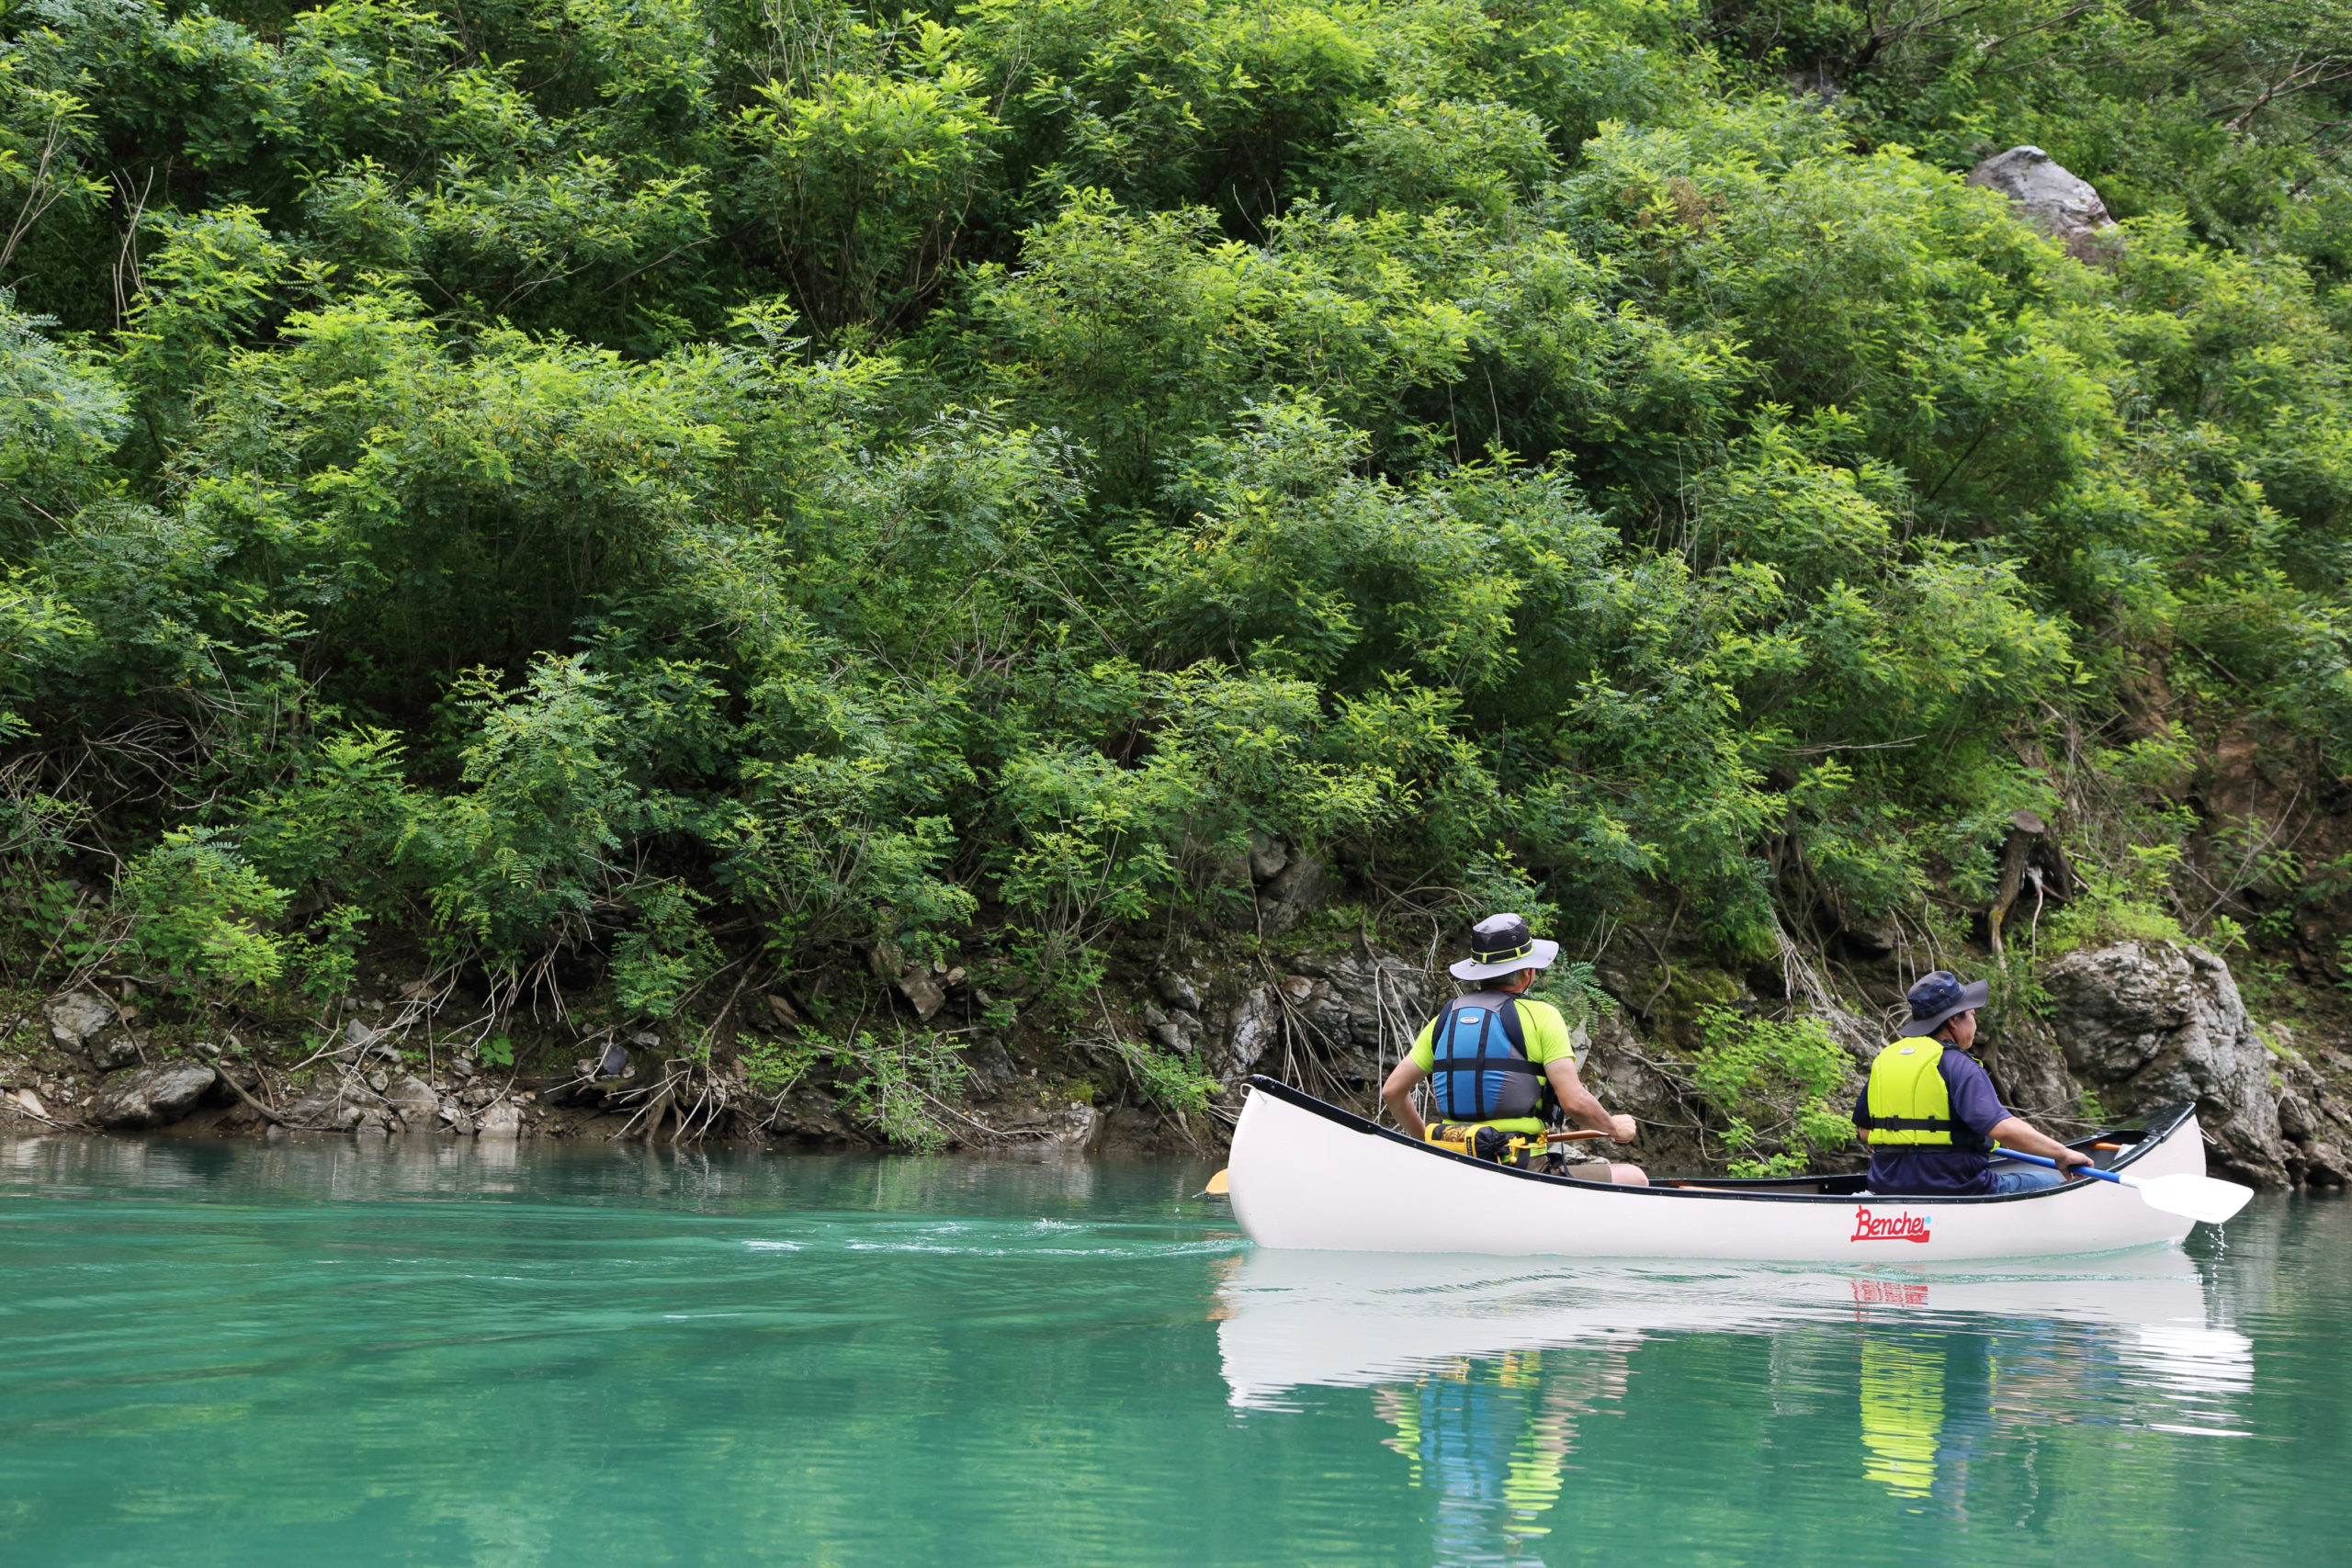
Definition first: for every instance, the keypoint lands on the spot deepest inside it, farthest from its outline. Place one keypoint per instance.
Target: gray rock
(1268, 856)
(1303, 885)
(502, 1119)
(2296, 1120)
(332, 1107)
(1618, 1071)
(991, 1065)
(115, 1048)
(1180, 1031)
(1253, 1027)
(150, 1097)
(1817, 84)
(413, 1099)
(1871, 938)
(2146, 1023)
(2065, 208)
(76, 1016)
(2028, 1069)
(1074, 1129)
(922, 989)
(1177, 990)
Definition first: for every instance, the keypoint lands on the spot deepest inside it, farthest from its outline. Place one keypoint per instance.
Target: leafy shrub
(204, 913)
(773, 1068)
(1172, 1082)
(1777, 1085)
(656, 967)
(513, 477)
(895, 1086)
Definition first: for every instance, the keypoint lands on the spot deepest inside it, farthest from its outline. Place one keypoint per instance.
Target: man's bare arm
(1398, 1095)
(1579, 1102)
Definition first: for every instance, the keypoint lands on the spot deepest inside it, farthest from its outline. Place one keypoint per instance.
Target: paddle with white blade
(2190, 1197)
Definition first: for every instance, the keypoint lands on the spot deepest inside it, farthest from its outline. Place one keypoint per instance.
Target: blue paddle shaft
(2054, 1165)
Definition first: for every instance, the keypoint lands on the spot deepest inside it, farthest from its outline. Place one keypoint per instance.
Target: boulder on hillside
(413, 1100)
(1246, 1031)
(331, 1106)
(86, 1022)
(150, 1097)
(2146, 1023)
(76, 1016)
(2067, 209)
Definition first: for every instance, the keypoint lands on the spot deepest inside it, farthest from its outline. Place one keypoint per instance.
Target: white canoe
(1311, 1176)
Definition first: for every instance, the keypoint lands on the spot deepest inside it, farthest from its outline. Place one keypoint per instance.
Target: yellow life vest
(1908, 1102)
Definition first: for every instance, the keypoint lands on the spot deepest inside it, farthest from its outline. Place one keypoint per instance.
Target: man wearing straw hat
(1493, 1052)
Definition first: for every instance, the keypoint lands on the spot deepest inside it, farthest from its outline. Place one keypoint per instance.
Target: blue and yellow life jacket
(1480, 1071)
(1909, 1105)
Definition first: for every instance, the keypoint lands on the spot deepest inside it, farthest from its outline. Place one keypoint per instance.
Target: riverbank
(935, 1059)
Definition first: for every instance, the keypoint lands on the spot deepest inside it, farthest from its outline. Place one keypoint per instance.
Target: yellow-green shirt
(1547, 1037)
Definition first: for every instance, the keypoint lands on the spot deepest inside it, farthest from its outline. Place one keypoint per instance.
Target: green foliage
(1576, 990)
(1172, 1081)
(894, 1087)
(771, 1068)
(326, 958)
(865, 180)
(203, 912)
(577, 476)
(1777, 1085)
(660, 964)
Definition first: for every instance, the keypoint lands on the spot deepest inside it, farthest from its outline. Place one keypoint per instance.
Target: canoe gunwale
(2162, 1124)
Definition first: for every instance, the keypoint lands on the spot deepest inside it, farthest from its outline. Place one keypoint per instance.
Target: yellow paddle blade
(1219, 1186)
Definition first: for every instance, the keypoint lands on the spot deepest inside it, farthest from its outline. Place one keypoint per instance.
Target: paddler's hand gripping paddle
(2191, 1197)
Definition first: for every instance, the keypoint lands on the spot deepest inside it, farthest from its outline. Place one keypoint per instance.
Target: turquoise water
(330, 1354)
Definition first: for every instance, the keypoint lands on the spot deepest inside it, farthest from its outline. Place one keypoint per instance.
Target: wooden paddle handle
(1572, 1138)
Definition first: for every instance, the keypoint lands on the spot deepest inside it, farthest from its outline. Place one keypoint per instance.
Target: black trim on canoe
(2160, 1124)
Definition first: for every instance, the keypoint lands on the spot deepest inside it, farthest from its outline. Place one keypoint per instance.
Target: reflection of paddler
(1902, 1410)
(1927, 1410)
(1494, 1438)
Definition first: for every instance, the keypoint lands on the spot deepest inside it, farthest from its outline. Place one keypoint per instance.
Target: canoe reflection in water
(1497, 1378)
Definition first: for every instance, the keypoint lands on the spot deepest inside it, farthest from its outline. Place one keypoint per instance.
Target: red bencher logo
(1905, 1226)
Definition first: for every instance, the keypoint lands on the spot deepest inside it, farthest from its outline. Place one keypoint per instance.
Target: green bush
(1778, 1086)
(202, 912)
(660, 479)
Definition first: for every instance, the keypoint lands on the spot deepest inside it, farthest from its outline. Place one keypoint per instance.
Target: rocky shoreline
(2115, 1031)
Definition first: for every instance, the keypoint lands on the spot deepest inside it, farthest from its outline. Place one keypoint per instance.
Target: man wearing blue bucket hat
(1929, 1113)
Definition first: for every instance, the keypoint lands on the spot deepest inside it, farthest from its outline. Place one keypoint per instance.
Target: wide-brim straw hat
(1502, 944)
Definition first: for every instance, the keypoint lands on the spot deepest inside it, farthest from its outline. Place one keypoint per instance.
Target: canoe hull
(1314, 1178)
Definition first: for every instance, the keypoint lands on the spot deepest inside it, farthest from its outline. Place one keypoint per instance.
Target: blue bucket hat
(1937, 996)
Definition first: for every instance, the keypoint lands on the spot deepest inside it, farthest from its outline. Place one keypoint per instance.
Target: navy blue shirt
(1901, 1170)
